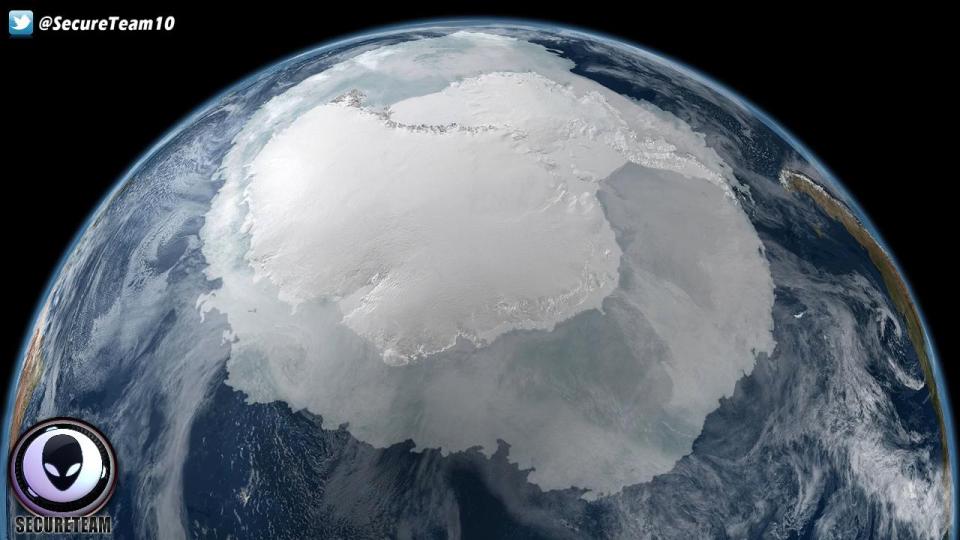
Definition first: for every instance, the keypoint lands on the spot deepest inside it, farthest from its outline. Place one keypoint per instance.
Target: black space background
(868, 92)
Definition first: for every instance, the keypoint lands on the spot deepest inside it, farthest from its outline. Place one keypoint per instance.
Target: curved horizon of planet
(815, 167)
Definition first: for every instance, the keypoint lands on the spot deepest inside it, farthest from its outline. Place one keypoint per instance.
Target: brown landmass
(29, 377)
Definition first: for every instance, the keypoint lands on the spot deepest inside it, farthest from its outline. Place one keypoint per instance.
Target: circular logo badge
(63, 467)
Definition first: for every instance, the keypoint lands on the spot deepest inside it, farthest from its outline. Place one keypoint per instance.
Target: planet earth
(491, 279)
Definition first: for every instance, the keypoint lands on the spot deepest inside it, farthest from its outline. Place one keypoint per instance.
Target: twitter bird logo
(21, 22)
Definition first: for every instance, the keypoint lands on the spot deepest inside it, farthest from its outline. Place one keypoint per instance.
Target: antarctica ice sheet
(413, 220)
